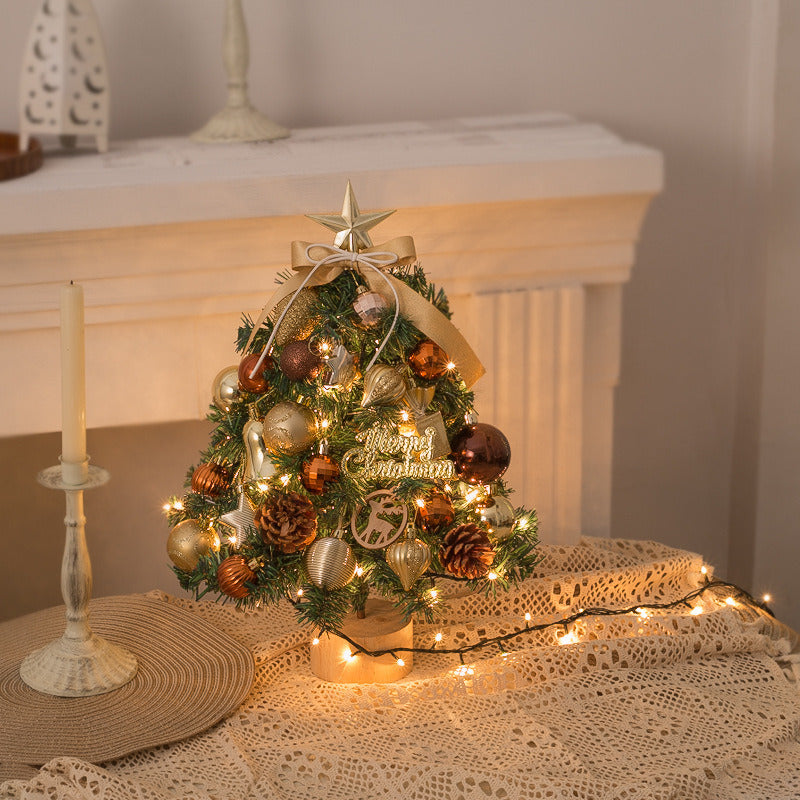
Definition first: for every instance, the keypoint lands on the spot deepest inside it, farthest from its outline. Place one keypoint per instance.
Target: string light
(729, 601)
(359, 571)
(400, 662)
(300, 592)
(323, 423)
(438, 637)
(528, 616)
(568, 638)
(696, 611)
(315, 641)
(704, 570)
(167, 506)
(767, 598)
(492, 576)
(404, 416)
(285, 479)
(232, 539)
(420, 502)
(451, 365)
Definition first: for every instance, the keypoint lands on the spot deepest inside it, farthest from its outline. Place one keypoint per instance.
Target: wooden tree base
(382, 628)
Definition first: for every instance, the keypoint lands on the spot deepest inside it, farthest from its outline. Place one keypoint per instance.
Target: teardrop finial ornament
(258, 463)
(330, 563)
(408, 559)
(383, 385)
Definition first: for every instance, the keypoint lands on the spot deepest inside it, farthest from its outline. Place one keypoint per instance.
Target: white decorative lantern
(238, 121)
(64, 82)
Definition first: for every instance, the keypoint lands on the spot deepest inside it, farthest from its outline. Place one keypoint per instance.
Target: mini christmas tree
(346, 457)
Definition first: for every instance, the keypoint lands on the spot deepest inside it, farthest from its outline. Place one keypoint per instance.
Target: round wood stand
(382, 628)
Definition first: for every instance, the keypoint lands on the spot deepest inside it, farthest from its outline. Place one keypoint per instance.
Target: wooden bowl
(13, 163)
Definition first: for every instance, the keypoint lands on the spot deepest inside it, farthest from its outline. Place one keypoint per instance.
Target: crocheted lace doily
(672, 706)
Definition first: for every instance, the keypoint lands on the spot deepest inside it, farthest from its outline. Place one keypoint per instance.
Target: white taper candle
(73, 387)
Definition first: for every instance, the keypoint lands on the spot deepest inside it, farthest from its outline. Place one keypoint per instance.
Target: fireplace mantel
(529, 222)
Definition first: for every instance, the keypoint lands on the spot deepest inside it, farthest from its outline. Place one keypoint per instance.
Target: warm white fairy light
(767, 598)
(232, 539)
(359, 571)
(696, 611)
(400, 662)
(323, 423)
(438, 637)
(528, 616)
(420, 502)
(448, 488)
(434, 593)
(568, 638)
(522, 523)
(492, 576)
(348, 656)
(704, 570)
(404, 416)
(300, 592)
(315, 641)
(285, 479)
(729, 601)
(451, 365)
(471, 495)
(167, 506)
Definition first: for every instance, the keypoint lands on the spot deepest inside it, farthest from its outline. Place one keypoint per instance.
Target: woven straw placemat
(190, 676)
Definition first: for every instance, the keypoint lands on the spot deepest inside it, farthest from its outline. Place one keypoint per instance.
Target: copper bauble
(383, 385)
(408, 558)
(233, 575)
(258, 383)
(299, 322)
(481, 453)
(225, 388)
(188, 541)
(436, 512)
(369, 306)
(289, 428)
(498, 517)
(318, 472)
(210, 480)
(330, 563)
(428, 361)
(299, 362)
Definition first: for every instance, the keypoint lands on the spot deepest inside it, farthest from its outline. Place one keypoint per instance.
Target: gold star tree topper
(351, 225)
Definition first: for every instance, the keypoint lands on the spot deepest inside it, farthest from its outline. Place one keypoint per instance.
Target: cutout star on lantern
(241, 518)
(351, 225)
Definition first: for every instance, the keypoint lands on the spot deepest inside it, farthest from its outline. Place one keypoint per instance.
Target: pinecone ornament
(466, 551)
(287, 521)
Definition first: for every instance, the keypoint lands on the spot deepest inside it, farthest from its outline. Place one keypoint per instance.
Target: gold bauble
(225, 388)
(383, 385)
(298, 322)
(289, 428)
(498, 517)
(330, 563)
(408, 558)
(188, 541)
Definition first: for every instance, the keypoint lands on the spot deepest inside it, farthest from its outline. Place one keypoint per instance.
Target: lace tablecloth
(670, 705)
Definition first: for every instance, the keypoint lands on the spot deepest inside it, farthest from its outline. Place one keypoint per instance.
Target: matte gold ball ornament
(288, 427)
(188, 541)
(225, 388)
(408, 558)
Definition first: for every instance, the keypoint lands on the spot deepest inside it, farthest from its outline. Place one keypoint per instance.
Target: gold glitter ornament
(289, 428)
(299, 322)
(383, 385)
(188, 541)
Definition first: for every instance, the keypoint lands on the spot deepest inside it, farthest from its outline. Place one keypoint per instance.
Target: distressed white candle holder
(80, 663)
(64, 82)
(238, 121)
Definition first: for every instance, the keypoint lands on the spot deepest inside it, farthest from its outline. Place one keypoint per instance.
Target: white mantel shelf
(529, 222)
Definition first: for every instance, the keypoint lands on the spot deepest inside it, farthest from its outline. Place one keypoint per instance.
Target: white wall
(692, 79)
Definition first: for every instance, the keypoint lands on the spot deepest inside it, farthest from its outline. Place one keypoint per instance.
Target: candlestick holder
(80, 663)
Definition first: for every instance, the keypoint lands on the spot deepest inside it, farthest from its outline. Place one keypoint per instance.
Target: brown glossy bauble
(210, 480)
(428, 361)
(436, 513)
(233, 574)
(258, 383)
(481, 453)
(298, 362)
(318, 472)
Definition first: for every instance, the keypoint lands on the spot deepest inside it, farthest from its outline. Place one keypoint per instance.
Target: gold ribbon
(371, 264)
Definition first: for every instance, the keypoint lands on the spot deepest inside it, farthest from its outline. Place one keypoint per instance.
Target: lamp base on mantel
(382, 628)
(78, 668)
(240, 124)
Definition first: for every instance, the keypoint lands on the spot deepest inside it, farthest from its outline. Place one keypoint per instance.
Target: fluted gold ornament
(383, 385)
(225, 388)
(289, 427)
(330, 563)
(408, 558)
(188, 541)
